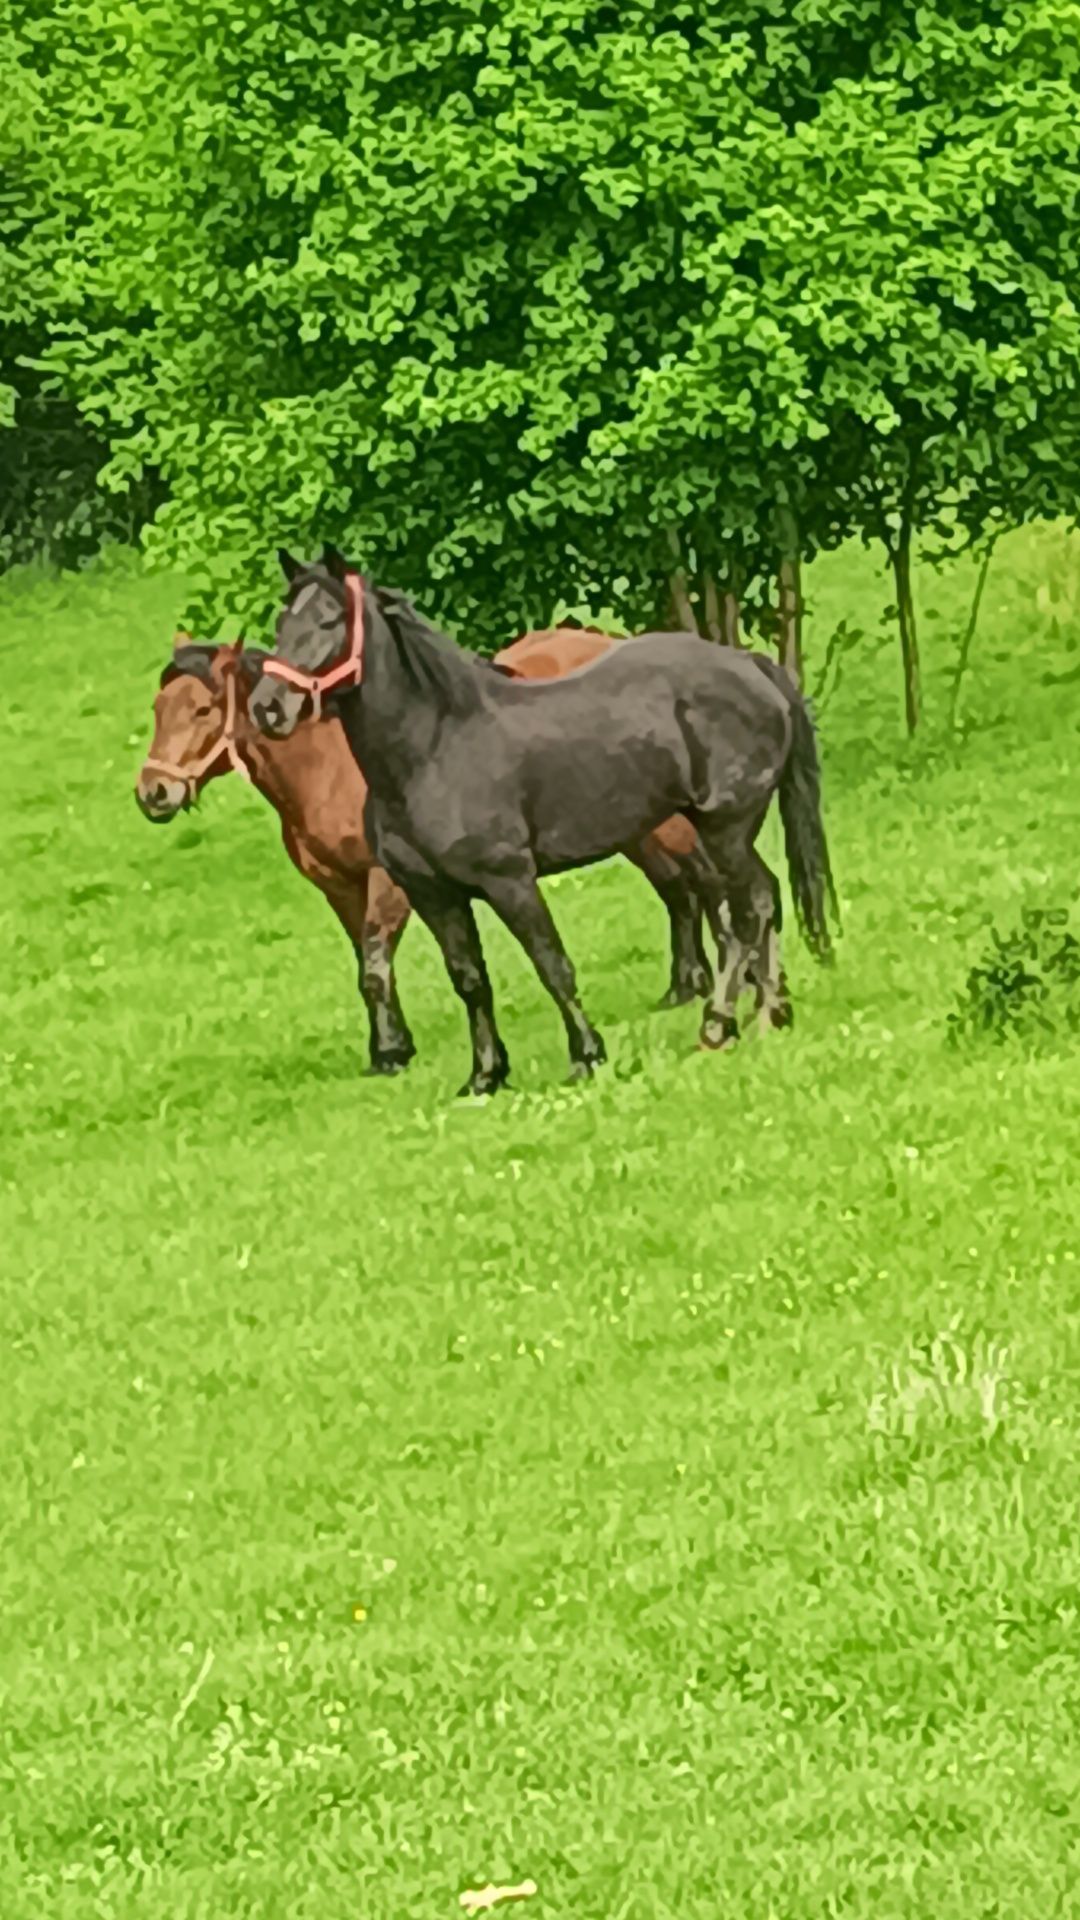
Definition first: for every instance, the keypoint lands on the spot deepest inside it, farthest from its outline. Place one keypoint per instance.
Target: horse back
(548, 653)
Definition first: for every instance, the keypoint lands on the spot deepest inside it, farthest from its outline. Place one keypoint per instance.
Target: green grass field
(665, 1490)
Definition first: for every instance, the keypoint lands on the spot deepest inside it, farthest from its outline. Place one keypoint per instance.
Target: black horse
(479, 784)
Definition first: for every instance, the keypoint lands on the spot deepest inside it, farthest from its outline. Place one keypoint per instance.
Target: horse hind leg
(774, 1009)
(700, 878)
(742, 913)
(720, 1026)
(712, 904)
(670, 860)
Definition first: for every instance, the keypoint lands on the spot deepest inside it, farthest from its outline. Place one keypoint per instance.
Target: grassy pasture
(666, 1490)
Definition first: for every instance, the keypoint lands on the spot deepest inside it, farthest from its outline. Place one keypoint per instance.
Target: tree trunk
(710, 606)
(900, 555)
(899, 551)
(789, 596)
(682, 610)
(681, 604)
(965, 644)
(789, 617)
(729, 618)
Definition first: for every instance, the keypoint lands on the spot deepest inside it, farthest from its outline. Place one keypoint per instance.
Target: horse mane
(197, 657)
(191, 658)
(250, 665)
(430, 658)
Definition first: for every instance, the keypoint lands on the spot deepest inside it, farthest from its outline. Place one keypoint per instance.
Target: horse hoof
(387, 1065)
(697, 985)
(719, 1036)
(481, 1084)
(584, 1069)
(676, 997)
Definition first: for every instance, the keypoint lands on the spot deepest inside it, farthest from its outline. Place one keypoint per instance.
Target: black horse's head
(312, 637)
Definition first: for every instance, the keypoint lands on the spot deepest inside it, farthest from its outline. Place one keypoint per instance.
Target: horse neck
(391, 721)
(276, 767)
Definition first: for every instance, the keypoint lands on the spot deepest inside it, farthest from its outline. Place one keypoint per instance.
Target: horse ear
(250, 662)
(289, 567)
(190, 658)
(335, 563)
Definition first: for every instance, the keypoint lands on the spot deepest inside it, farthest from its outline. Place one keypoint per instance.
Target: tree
(49, 457)
(527, 304)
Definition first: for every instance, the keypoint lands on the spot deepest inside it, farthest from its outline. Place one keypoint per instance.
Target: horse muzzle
(275, 708)
(159, 799)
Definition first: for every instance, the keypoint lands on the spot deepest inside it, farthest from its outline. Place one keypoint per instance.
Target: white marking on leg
(769, 997)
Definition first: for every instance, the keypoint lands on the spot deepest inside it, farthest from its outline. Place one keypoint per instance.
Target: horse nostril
(151, 796)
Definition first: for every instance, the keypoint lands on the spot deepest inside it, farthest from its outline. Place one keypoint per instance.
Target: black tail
(800, 810)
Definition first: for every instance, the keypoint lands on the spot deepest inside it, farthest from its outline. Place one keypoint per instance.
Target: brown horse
(547, 653)
(202, 730)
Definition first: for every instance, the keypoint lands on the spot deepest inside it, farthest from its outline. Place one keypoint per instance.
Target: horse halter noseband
(224, 744)
(349, 672)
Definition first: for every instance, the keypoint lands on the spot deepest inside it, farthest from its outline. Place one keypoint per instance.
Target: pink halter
(348, 672)
(224, 744)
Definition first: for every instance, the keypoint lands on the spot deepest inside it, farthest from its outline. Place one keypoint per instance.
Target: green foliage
(1027, 983)
(50, 504)
(502, 296)
(50, 457)
(499, 294)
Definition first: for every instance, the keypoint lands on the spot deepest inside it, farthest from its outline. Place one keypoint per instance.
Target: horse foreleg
(449, 916)
(523, 911)
(385, 914)
(372, 916)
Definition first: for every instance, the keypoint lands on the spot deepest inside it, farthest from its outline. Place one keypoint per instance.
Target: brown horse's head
(194, 716)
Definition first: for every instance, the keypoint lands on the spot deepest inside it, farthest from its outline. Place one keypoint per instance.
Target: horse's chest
(394, 844)
(446, 830)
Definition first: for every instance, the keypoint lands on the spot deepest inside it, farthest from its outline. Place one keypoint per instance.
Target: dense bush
(51, 506)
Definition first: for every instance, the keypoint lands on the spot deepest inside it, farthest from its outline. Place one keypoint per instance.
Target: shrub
(1027, 983)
